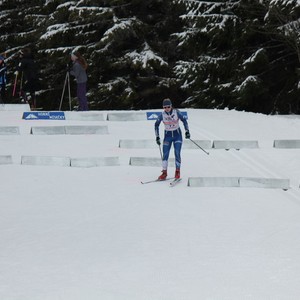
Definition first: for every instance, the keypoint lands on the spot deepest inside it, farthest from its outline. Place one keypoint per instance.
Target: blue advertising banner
(154, 115)
(44, 115)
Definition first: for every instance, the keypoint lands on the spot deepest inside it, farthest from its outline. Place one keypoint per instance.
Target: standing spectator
(28, 66)
(170, 117)
(78, 70)
(2, 79)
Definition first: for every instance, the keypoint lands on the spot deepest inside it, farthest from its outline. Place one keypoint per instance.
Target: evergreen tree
(241, 54)
(135, 55)
(206, 64)
(282, 25)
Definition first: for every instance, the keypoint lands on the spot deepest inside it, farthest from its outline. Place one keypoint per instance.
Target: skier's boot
(163, 176)
(177, 173)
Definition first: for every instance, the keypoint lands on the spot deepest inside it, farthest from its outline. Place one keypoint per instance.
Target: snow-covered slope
(97, 233)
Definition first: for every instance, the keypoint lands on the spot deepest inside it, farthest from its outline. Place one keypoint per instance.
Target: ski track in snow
(260, 164)
(99, 234)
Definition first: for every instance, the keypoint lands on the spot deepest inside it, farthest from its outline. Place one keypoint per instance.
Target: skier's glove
(187, 134)
(158, 140)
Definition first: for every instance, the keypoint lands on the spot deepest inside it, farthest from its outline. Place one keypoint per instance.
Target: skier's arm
(156, 125)
(183, 120)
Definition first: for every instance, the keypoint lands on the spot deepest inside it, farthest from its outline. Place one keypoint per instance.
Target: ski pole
(69, 90)
(21, 85)
(63, 92)
(22, 94)
(15, 85)
(160, 152)
(199, 146)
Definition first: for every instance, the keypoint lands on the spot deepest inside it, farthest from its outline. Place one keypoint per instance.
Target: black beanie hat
(167, 102)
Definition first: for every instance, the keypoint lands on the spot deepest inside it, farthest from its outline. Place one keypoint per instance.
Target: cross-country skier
(170, 117)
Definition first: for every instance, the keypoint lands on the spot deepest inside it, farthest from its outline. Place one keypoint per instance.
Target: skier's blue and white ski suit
(172, 135)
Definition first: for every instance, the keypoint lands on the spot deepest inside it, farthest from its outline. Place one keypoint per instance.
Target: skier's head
(167, 103)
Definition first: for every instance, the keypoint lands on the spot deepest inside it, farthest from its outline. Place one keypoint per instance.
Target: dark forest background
(240, 55)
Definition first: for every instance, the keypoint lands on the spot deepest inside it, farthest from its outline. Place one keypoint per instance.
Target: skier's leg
(177, 152)
(166, 152)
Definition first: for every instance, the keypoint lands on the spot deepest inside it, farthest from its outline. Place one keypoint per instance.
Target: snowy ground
(97, 233)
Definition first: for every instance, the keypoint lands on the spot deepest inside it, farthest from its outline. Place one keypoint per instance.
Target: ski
(175, 181)
(156, 180)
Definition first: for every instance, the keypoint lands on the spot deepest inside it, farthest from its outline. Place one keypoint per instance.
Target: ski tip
(174, 182)
(156, 180)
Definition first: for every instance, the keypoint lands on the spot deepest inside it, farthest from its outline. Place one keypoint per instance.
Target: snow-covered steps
(82, 162)
(137, 144)
(86, 129)
(14, 107)
(126, 116)
(88, 162)
(48, 130)
(239, 182)
(188, 144)
(273, 183)
(235, 144)
(148, 161)
(141, 144)
(9, 130)
(84, 116)
(46, 161)
(52, 130)
(5, 159)
(286, 144)
(213, 181)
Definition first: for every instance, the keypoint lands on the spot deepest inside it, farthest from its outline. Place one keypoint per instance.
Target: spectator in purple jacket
(78, 70)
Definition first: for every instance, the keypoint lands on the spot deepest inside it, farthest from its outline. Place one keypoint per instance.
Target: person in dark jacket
(28, 66)
(2, 79)
(78, 70)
